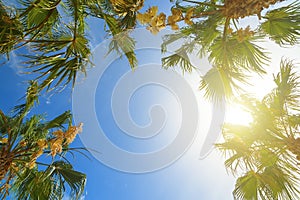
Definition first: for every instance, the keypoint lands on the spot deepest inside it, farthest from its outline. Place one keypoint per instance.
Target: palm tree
(58, 45)
(265, 154)
(212, 28)
(53, 34)
(49, 183)
(23, 140)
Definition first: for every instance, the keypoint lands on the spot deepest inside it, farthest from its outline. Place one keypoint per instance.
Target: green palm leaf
(24, 139)
(283, 24)
(121, 41)
(179, 58)
(232, 53)
(49, 184)
(221, 83)
(64, 173)
(11, 30)
(246, 187)
(266, 152)
(32, 185)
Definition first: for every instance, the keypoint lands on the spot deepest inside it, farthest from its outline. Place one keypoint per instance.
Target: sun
(259, 87)
(235, 114)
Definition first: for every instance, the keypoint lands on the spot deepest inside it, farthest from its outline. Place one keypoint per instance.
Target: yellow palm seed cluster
(3, 140)
(31, 164)
(240, 9)
(145, 18)
(188, 16)
(5, 164)
(58, 134)
(72, 132)
(174, 18)
(14, 167)
(244, 34)
(125, 6)
(56, 145)
(23, 143)
(155, 22)
(9, 166)
(64, 138)
(41, 144)
(158, 22)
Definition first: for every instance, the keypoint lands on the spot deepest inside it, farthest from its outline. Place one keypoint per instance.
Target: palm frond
(43, 13)
(127, 10)
(207, 31)
(27, 139)
(287, 87)
(31, 184)
(171, 38)
(11, 30)
(63, 66)
(243, 54)
(31, 98)
(283, 24)
(266, 151)
(221, 83)
(246, 187)
(179, 59)
(121, 41)
(74, 179)
(58, 121)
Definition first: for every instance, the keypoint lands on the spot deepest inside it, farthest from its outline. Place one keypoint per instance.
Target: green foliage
(56, 31)
(49, 183)
(10, 30)
(180, 57)
(283, 24)
(22, 140)
(230, 46)
(265, 153)
(220, 83)
(231, 53)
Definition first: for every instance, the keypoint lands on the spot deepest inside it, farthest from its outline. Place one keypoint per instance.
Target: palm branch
(49, 183)
(283, 24)
(216, 33)
(56, 33)
(23, 140)
(265, 154)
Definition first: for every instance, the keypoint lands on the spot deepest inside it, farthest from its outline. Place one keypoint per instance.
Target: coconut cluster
(239, 9)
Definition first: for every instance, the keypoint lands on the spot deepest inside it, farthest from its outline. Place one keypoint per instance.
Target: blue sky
(187, 178)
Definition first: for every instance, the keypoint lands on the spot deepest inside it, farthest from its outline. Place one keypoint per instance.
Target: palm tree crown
(266, 154)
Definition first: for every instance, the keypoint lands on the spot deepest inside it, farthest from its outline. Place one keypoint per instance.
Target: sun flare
(235, 114)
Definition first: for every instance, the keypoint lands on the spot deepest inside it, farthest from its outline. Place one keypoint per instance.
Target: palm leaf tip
(220, 83)
(76, 180)
(179, 59)
(282, 25)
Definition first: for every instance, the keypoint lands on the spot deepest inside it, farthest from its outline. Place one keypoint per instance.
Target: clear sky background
(189, 178)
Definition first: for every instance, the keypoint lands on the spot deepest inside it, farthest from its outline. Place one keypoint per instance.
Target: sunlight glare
(235, 114)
